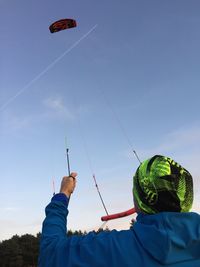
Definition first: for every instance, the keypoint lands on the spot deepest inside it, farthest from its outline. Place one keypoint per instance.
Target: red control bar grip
(118, 215)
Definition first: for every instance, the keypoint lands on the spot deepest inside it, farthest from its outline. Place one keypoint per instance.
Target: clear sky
(126, 78)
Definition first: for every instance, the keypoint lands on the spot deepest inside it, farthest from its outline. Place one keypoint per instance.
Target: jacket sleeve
(59, 250)
(53, 230)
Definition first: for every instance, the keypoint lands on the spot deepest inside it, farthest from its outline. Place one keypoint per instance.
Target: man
(165, 233)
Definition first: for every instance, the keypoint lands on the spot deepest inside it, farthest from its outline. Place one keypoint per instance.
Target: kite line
(50, 66)
(115, 115)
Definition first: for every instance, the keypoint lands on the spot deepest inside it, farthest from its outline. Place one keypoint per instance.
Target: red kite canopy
(62, 24)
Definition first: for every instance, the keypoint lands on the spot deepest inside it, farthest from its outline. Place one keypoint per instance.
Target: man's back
(164, 239)
(169, 239)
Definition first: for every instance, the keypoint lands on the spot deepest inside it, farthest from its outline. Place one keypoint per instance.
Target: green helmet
(161, 184)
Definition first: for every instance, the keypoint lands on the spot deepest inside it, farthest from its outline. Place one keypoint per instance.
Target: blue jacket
(164, 239)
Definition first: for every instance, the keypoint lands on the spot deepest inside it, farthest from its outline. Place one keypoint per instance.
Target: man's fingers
(73, 175)
(68, 184)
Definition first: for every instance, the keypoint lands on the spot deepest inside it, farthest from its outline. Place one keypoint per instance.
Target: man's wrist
(62, 197)
(67, 194)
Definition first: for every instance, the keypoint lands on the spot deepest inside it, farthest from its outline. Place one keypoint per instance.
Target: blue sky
(126, 78)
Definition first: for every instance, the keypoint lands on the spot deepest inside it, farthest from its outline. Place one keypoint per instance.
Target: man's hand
(68, 184)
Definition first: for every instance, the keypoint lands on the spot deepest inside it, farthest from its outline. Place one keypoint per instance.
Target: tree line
(23, 251)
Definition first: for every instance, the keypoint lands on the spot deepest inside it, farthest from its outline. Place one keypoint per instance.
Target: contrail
(11, 99)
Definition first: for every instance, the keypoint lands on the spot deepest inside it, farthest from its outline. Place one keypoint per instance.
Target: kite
(62, 24)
